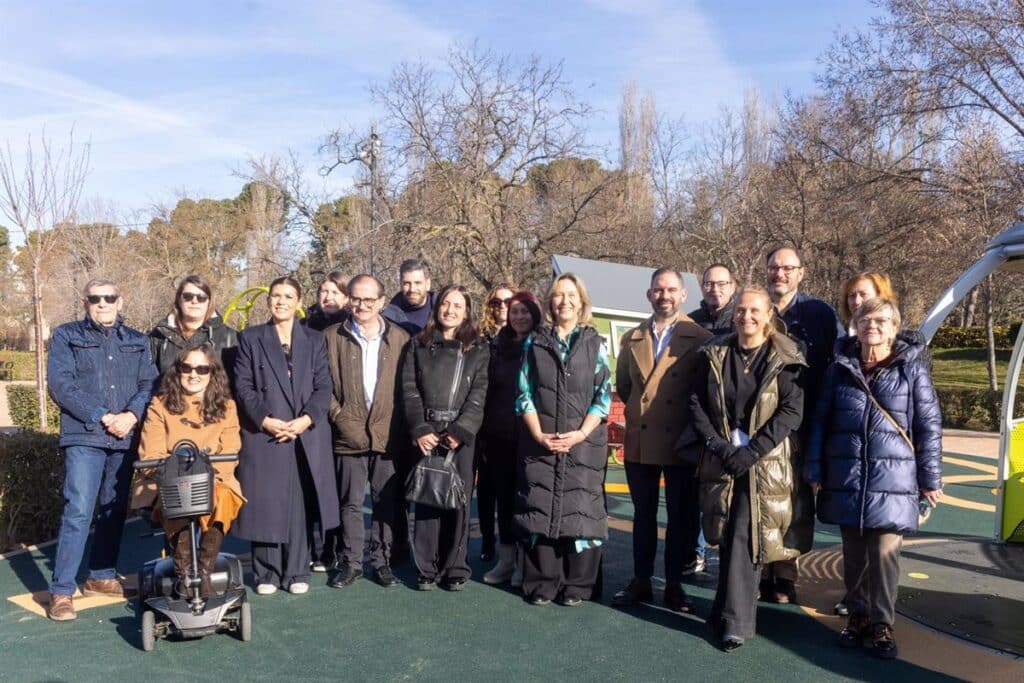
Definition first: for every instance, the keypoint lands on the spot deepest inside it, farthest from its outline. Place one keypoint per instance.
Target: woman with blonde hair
(746, 404)
(564, 399)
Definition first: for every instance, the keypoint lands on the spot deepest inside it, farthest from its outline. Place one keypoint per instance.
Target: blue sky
(173, 96)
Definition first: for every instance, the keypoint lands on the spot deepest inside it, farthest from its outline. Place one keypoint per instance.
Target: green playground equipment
(242, 304)
(1005, 252)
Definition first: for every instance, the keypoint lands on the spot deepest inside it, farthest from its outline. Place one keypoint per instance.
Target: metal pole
(373, 199)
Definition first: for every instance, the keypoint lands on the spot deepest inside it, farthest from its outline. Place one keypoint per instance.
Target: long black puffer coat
(562, 496)
(166, 342)
(870, 475)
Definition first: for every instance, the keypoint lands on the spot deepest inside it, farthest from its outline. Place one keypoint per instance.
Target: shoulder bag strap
(891, 419)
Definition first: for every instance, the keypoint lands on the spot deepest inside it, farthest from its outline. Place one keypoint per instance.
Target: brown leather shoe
(110, 588)
(61, 608)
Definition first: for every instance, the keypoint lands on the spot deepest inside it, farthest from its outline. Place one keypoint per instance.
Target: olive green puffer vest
(771, 479)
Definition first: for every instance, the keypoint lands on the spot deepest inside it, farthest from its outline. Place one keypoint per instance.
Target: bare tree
(39, 193)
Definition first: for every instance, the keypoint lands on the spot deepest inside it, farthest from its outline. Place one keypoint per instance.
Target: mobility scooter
(166, 607)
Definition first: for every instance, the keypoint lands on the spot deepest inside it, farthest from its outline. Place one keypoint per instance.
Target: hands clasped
(560, 442)
(286, 430)
(119, 424)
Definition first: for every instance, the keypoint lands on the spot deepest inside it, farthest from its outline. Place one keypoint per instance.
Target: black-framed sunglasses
(186, 369)
(498, 303)
(96, 298)
(189, 297)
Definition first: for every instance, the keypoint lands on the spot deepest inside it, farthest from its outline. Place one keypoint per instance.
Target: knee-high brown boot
(209, 546)
(182, 548)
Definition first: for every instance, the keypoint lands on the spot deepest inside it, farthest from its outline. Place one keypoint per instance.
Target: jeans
(91, 473)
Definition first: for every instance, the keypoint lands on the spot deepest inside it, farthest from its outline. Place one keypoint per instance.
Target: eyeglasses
(717, 284)
(186, 369)
(498, 303)
(874, 322)
(96, 298)
(356, 302)
(783, 269)
(189, 297)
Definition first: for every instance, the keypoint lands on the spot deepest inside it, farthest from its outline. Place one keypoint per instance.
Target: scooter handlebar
(157, 462)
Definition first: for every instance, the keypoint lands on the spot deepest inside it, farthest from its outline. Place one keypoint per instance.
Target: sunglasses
(186, 369)
(96, 298)
(189, 297)
(498, 303)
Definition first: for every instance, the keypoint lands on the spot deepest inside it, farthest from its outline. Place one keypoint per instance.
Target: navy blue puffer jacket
(870, 476)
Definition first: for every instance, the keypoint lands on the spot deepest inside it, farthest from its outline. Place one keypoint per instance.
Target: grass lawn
(966, 368)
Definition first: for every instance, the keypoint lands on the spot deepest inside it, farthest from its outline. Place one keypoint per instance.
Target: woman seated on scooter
(194, 403)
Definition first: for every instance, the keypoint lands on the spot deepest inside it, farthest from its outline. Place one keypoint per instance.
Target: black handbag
(436, 483)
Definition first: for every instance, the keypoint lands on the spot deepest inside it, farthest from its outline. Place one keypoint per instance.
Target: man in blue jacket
(101, 375)
(814, 324)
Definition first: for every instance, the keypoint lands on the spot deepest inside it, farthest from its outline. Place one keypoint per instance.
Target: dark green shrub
(948, 337)
(24, 408)
(17, 366)
(973, 408)
(31, 479)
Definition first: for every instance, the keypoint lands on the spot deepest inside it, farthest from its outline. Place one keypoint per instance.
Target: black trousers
(354, 473)
(403, 462)
(282, 564)
(496, 488)
(682, 510)
(552, 569)
(440, 538)
(734, 611)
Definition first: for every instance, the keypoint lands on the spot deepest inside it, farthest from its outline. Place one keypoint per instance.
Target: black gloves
(718, 447)
(740, 460)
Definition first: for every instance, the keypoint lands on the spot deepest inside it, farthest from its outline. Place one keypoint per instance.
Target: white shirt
(371, 354)
(661, 340)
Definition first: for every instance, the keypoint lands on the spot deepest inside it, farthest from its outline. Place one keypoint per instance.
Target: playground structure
(241, 306)
(1005, 252)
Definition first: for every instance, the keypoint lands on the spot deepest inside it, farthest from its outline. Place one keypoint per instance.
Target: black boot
(209, 546)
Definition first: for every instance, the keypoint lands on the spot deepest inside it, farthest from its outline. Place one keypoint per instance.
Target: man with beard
(411, 307)
(653, 376)
(814, 324)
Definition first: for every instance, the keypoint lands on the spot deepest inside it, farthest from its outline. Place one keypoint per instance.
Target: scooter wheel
(245, 622)
(148, 630)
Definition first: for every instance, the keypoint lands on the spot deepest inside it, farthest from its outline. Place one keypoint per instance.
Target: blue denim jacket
(95, 370)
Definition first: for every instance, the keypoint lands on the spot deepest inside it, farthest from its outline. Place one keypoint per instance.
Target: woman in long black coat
(283, 388)
(444, 387)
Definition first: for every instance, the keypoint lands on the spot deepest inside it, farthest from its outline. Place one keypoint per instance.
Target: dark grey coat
(263, 388)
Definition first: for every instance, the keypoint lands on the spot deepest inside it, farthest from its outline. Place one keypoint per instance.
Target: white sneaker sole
(266, 589)
(298, 588)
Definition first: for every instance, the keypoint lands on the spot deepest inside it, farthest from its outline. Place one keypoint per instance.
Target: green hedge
(24, 408)
(31, 479)
(973, 408)
(18, 366)
(948, 337)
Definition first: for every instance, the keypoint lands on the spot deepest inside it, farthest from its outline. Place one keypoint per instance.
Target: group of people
(754, 410)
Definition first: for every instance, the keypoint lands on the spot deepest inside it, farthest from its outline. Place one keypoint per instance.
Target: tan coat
(656, 395)
(161, 430)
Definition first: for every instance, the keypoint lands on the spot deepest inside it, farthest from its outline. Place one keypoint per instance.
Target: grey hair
(877, 304)
(100, 282)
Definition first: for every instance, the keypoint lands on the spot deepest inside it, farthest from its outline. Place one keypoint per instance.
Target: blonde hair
(881, 283)
(773, 323)
(879, 304)
(577, 281)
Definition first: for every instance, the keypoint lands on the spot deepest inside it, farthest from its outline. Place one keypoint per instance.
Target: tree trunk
(993, 381)
(37, 314)
(969, 307)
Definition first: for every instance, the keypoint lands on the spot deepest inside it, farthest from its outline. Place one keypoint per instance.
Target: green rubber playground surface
(366, 633)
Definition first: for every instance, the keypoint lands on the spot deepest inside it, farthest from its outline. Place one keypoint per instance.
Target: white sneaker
(266, 589)
(298, 588)
(695, 567)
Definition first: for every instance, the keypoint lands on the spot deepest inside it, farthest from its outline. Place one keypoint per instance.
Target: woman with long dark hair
(746, 404)
(500, 431)
(194, 403)
(444, 387)
(283, 386)
(193, 321)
